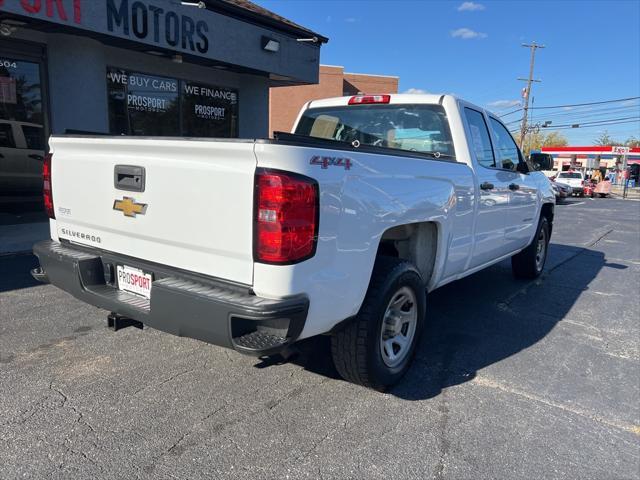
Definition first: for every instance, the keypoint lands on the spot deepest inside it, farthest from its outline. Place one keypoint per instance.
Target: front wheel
(376, 348)
(529, 263)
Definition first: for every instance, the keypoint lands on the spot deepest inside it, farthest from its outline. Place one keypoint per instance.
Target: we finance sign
(163, 23)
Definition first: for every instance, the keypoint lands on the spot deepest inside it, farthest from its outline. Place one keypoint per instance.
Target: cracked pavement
(512, 380)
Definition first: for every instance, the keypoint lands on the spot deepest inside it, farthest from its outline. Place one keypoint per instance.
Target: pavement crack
(166, 380)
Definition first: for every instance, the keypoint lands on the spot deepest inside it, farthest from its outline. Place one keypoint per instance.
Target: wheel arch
(415, 242)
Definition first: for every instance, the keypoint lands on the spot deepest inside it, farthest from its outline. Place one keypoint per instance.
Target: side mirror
(541, 161)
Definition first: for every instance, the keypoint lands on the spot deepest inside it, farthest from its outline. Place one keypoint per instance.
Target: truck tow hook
(116, 322)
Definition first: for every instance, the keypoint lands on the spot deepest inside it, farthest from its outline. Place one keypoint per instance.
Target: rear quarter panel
(357, 206)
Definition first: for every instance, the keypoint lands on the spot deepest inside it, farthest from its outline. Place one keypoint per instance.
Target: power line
(597, 121)
(509, 113)
(571, 105)
(595, 125)
(585, 104)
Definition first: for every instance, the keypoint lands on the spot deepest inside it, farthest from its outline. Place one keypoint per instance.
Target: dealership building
(144, 67)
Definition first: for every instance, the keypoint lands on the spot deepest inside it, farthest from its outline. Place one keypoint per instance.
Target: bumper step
(260, 342)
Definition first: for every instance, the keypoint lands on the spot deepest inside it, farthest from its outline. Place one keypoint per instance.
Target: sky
(473, 50)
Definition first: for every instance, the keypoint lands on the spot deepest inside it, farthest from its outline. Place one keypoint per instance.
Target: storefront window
(149, 105)
(209, 111)
(22, 141)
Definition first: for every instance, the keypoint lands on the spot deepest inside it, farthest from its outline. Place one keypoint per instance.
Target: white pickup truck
(340, 228)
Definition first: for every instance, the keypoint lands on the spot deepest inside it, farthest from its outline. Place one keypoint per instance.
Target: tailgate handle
(129, 178)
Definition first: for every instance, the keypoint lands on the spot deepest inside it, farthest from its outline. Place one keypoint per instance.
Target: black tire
(356, 349)
(526, 263)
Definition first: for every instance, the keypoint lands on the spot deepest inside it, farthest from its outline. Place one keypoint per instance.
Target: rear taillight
(286, 217)
(47, 192)
(369, 99)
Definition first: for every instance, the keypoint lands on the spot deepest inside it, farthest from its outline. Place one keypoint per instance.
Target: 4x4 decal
(326, 162)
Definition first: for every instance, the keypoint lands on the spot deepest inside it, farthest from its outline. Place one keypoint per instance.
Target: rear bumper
(182, 304)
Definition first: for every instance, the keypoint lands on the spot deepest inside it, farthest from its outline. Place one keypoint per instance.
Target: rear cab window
(422, 128)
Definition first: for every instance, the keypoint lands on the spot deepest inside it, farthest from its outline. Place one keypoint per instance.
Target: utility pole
(527, 93)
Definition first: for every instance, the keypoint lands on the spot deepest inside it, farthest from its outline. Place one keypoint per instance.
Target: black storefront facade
(139, 67)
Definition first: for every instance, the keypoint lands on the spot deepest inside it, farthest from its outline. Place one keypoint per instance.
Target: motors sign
(170, 26)
(154, 23)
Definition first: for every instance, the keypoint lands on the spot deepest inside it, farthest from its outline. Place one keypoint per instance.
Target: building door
(23, 118)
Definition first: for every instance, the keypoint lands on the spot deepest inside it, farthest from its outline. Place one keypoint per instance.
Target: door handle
(514, 186)
(130, 178)
(486, 186)
(35, 156)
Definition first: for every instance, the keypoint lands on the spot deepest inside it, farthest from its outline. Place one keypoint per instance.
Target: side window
(6, 136)
(506, 148)
(34, 137)
(480, 139)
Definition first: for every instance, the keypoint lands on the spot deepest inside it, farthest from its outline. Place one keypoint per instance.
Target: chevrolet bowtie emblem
(129, 207)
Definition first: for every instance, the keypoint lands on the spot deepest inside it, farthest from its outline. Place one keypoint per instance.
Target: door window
(506, 148)
(6, 136)
(33, 137)
(480, 139)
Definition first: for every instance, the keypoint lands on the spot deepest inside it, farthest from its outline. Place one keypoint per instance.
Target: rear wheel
(529, 263)
(376, 348)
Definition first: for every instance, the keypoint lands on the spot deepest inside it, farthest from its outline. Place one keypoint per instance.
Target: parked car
(21, 155)
(573, 179)
(340, 228)
(562, 190)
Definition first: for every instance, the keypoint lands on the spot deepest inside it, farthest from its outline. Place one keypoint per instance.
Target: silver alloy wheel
(541, 250)
(398, 327)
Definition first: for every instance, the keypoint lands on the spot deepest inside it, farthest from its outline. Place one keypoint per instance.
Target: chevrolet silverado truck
(340, 228)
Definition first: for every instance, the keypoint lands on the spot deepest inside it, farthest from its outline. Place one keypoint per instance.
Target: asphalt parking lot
(513, 379)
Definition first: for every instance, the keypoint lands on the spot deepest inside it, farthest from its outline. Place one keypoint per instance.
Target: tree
(606, 140)
(535, 141)
(632, 142)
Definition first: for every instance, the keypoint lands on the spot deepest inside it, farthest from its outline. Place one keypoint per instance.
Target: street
(512, 380)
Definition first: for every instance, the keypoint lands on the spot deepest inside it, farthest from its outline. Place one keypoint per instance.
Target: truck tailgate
(198, 196)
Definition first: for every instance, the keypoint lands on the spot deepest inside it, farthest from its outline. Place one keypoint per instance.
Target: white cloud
(467, 34)
(416, 91)
(500, 104)
(351, 20)
(470, 7)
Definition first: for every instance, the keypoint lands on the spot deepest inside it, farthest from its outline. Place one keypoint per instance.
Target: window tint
(506, 148)
(480, 139)
(6, 136)
(34, 137)
(417, 128)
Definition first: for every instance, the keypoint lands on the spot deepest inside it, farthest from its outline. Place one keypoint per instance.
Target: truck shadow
(483, 319)
(15, 271)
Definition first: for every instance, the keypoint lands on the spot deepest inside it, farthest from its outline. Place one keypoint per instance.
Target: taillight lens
(47, 192)
(369, 99)
(286, 217)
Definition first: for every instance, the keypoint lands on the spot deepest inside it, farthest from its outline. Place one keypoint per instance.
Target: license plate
(133, 280)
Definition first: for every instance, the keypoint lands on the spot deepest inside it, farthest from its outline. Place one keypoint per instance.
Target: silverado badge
(129, 207)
